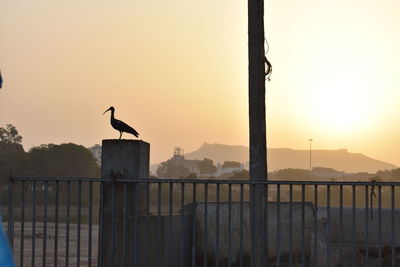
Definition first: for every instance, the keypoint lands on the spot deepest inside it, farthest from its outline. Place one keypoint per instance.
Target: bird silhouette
(120, 125)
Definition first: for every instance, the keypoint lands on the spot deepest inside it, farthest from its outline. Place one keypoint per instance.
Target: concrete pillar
(121, 203)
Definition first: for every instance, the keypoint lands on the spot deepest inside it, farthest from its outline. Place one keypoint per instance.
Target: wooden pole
(257, 128)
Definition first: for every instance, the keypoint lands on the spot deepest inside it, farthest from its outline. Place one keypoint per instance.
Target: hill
(280, 158)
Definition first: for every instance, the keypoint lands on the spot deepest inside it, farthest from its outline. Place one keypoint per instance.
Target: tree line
(48, 160)
(65, 160)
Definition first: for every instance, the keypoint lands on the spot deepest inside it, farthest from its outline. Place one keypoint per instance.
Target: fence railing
(66, 222)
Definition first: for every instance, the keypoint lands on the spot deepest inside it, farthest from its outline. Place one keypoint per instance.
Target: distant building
(227, 170)
(179, 159)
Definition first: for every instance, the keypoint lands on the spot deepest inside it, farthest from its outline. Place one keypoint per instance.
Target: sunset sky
(176, 70)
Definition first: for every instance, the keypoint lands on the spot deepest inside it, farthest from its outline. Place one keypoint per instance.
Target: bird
(120, 125)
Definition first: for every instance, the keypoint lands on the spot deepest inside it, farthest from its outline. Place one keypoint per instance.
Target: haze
(176, 71)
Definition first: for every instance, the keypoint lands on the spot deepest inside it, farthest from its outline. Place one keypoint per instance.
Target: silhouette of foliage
(290, 174)
(241, 175)
(168, 169)
(192, 175)
(12, 154)
(206, 166)
(231, 164)
(389, 175)
(9, 135)
(66, 160)
(10, 140)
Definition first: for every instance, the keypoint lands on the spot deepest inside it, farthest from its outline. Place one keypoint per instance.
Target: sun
(342, 105)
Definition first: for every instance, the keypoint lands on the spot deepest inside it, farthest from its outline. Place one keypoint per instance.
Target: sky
(176, 71)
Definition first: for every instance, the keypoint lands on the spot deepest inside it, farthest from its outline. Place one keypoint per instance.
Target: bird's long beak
(106, 111)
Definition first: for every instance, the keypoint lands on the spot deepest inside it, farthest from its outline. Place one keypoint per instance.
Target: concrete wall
(160, 241)
(341, 239)
(338, 242)
(360, 220)
(207, 243)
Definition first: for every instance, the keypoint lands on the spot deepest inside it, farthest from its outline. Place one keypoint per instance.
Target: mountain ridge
(281, 158)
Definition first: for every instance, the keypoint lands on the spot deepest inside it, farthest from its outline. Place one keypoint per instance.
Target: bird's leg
(120, 135)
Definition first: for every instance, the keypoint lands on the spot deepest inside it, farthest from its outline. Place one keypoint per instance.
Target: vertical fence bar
(217, 229)
(101, 215)
(252, 226)
(241, 226)
(21, 251)
(205, 223)
(341, 222)
(278, 225)
(328, 225)
(290, 225)
(380, 224)
(182, 222)
(303, 197)
(10, 226)
(68, 222)
(46, 192)
(113, 239)
(56, 224)
(160, 251)
(148, 219)
(194, 227)
(315, 223)
(229, 224)
(90, 223)
(78, 235)
(33, 223)
(354, 224)
(135, 223)
(366, 226)
(171, 192)
(124, 225)
(393, 227)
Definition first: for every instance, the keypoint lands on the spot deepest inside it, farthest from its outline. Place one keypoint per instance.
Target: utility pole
(257, 129)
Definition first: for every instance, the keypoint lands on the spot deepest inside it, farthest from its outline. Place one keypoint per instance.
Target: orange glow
(177, 72)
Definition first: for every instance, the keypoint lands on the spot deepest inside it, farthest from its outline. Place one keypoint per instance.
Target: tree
(291, 174)
(241, 175)
(192, 175)
(231, 164)
(10, 140)
(389, 175)
(65, 160)
(168, 169)
(9, 135)
(206, 166)
(12, 154)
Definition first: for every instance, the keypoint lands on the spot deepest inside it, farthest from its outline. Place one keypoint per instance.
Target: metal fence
(55, 222)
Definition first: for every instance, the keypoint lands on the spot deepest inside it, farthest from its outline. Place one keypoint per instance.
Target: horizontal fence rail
(174, 222)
